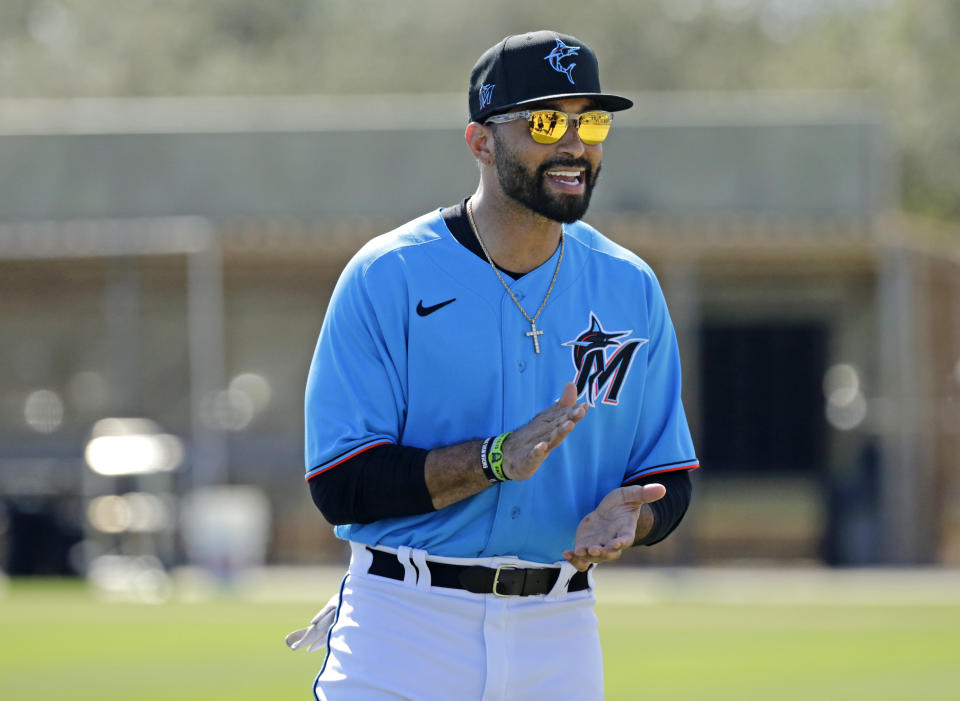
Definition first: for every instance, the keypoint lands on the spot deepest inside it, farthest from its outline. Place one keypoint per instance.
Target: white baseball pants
(408, 640)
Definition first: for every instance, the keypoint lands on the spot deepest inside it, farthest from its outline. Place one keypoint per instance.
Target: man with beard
(493, 408)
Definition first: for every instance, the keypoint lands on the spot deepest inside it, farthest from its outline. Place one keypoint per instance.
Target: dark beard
(529, 189)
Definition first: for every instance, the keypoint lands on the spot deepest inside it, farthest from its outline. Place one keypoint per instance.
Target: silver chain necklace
(533, 332)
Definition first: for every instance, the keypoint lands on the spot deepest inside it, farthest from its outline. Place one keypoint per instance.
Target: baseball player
(493, 408)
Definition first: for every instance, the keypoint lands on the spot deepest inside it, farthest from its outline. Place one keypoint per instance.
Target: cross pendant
(534, 333)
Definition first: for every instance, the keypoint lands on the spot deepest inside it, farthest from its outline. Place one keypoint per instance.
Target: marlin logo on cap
(486, 94)
(562, 51)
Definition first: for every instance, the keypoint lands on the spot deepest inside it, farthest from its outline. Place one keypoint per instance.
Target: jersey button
(514, 512)
(521, 366)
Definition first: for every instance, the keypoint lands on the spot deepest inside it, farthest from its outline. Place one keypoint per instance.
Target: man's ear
(480, 142)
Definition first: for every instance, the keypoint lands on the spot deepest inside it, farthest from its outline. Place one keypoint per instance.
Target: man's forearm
(394, 480)
(453, 473)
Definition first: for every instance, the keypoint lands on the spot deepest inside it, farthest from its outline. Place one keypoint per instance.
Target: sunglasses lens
(547, 126)
(594, 127)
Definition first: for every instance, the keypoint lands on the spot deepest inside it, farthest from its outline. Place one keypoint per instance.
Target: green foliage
(906, 51)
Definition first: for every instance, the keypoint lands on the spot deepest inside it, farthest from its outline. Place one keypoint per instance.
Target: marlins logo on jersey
(596, 369)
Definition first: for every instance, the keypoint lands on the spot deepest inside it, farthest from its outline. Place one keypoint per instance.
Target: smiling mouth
(568, 177)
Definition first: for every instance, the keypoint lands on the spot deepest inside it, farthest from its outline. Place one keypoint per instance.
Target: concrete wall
(380, 158)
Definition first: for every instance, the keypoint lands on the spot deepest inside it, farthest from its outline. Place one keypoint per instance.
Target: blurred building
(171, 259)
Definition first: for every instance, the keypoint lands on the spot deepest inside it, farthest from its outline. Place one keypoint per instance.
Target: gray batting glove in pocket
(314, 636)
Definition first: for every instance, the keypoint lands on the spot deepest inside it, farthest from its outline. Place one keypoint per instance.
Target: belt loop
(409, 570)
(559, 589)
(419, 558)
(360, 558)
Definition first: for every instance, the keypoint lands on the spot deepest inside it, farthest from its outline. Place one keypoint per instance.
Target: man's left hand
(611, 528)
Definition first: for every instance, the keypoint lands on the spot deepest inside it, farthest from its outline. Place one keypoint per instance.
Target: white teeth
(568, 177)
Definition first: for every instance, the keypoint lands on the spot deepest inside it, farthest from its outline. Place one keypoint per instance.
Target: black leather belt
(506, 580)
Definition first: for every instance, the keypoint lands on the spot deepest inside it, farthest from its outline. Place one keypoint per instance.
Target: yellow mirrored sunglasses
(549, 126)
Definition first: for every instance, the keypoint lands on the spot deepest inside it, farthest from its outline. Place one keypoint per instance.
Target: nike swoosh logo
(424, 311)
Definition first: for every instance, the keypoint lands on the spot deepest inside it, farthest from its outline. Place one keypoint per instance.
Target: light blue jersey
(422, 346)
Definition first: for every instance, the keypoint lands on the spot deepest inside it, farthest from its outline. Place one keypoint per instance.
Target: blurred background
(181, 183)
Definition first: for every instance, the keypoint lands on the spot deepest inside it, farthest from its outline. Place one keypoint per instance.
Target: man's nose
(570, 141)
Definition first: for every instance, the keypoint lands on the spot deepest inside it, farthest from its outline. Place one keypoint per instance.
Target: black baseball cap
(526, 68)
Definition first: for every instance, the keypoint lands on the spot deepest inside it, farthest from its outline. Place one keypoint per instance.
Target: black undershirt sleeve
(383, 482)
(668, 511)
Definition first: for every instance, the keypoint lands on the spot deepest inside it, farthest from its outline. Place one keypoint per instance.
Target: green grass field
(59, 641)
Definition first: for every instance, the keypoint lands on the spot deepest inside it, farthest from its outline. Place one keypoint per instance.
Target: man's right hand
(453, 472)
(525, 449)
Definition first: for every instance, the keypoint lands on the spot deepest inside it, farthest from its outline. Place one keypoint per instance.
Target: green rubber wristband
(495, 457)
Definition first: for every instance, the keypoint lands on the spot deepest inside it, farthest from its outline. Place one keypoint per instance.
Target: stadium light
(132, 447)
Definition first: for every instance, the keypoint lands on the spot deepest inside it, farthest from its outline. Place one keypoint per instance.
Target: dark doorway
(763, 398)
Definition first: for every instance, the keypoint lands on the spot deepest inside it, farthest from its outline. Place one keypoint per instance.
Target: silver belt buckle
(496, 579)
